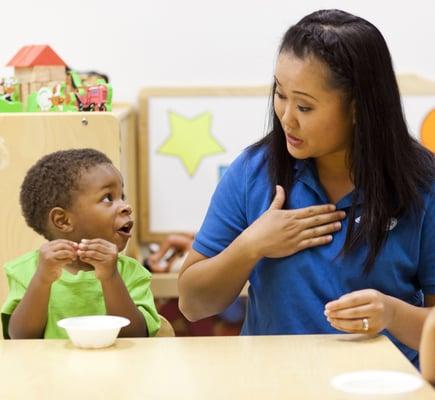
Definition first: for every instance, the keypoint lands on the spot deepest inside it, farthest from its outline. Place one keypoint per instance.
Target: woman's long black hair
(389, 168)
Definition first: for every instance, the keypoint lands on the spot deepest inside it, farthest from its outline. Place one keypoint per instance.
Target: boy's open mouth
(126, 228)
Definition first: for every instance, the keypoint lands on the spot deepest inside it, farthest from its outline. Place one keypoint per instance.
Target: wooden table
(206, 368)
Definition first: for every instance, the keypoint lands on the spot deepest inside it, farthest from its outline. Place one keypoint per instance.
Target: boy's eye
(107, 198)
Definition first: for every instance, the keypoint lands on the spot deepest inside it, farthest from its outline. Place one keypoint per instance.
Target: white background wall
(197, 42)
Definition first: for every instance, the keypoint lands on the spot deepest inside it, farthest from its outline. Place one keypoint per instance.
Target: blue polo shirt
(288, 295)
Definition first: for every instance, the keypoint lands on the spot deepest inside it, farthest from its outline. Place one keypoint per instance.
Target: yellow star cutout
(191, 140)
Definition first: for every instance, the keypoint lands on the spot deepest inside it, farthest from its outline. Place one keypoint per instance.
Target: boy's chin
(121, 245)
(121, 248)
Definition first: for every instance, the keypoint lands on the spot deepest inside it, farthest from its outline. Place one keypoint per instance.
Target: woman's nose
(288, 120)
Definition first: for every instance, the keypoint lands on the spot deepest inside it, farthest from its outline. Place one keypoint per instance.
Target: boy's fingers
(91, 255)
(66, 242)
(65, 255)
(100, 247)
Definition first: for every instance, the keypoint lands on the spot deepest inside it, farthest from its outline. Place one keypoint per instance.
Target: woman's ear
(59, 220)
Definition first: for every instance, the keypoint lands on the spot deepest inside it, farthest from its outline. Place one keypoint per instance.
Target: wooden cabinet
(26, 137)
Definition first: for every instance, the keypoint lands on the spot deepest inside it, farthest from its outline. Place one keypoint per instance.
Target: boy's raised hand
(52, 256)
(101, 254)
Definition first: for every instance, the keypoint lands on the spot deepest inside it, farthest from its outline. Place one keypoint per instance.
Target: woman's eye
(108, 198)
(280, 96)
(304, 109)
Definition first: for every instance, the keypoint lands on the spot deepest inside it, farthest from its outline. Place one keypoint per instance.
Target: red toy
(93, 99)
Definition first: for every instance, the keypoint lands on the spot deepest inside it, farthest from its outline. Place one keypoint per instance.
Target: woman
(332, 212)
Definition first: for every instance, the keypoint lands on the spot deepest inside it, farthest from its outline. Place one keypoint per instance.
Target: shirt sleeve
(226, 215)
(16, 292)
(138, 286)
(426, 270)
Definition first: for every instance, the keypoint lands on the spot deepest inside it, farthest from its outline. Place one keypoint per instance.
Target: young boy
(427, 348)
(75, 199)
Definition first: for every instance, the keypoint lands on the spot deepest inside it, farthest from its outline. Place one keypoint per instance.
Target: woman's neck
(334, 175)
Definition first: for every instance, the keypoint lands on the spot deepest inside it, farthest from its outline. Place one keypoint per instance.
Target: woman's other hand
(362, 311)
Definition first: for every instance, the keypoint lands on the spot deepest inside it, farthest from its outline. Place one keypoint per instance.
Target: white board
(179, 196)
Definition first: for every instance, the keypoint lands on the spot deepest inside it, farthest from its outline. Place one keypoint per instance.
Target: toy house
(35, 67)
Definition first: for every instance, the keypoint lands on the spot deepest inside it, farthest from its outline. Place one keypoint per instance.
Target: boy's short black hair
(51, 181)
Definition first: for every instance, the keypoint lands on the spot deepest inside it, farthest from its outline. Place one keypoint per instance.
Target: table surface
(250, 367)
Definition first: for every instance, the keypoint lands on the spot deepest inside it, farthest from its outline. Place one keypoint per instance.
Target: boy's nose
(126, 209)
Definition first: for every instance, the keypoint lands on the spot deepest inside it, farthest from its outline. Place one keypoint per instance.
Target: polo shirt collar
(306, 172)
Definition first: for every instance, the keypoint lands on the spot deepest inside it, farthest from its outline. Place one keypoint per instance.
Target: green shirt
(80, 294)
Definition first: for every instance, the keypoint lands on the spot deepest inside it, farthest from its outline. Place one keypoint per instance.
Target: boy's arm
(427, 348)
(118, 302)
(103, 256)
(30, 317)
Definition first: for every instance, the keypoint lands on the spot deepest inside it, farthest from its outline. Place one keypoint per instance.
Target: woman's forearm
(209, 285)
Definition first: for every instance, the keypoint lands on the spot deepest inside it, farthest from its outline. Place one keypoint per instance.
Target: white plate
(376, 382)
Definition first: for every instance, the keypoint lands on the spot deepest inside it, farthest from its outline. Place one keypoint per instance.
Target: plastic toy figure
(9, 97)
(94, 99)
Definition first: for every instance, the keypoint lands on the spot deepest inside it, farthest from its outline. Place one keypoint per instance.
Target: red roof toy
(35, 67)
(37, 55)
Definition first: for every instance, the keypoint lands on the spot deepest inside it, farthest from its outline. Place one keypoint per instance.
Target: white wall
(194, 42)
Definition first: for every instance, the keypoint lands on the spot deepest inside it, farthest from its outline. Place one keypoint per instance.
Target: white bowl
(94, 331)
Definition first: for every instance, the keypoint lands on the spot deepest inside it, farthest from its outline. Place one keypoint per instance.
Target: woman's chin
(297, 153)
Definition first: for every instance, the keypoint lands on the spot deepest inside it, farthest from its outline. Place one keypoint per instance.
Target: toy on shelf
(36, 67)
(91, 97)
(9, 95)
(43, 82)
